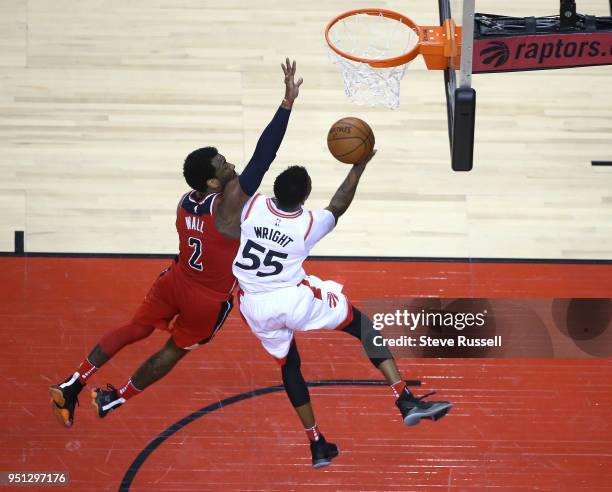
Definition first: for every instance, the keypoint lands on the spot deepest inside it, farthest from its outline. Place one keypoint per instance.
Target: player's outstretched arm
(238, 191)
(344, 195)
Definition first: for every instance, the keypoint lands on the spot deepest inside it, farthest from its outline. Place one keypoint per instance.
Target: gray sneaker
(414, 408)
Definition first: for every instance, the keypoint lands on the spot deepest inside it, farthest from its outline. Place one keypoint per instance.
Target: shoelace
(110, 388)
(419, 398)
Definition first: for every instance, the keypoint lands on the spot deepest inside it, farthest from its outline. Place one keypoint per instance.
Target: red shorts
(192, 313)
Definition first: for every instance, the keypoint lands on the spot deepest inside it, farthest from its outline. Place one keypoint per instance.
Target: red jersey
(206, 256)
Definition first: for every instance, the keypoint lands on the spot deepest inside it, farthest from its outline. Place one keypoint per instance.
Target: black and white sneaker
(323, 452)
(64, 399)
(106, 400)
(414, 408)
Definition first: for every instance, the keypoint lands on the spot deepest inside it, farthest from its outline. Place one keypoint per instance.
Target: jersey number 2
(195, 261)
(256, 261)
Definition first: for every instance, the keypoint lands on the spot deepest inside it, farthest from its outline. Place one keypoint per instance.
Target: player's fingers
(293, 68)
(299, 82)
(368, 159)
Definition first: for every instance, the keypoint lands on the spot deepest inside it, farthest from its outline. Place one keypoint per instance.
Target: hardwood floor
(100, 102)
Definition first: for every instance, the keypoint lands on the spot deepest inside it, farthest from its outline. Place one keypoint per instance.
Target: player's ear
(309, 190)
(214, 184)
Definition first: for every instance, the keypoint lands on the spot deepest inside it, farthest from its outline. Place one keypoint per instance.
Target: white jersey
(274, 244)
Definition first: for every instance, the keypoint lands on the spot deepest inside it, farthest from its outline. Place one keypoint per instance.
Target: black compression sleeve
(362, 328)
(265, 152)
(294, 383)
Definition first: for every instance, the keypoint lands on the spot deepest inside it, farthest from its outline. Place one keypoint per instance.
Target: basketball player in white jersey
(277, 297)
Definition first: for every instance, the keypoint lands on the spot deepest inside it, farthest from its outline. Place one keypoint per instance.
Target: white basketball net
(373, 37)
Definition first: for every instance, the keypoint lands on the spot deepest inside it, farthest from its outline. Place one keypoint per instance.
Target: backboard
(460, 96)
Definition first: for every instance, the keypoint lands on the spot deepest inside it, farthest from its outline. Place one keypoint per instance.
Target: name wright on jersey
(273, 235)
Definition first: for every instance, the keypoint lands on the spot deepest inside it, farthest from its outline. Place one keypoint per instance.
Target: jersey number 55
(250, 252)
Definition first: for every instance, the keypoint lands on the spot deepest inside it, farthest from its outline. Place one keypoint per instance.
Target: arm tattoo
(344, 195)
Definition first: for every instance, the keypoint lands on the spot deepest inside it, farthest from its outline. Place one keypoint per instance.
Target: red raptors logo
(332, 299)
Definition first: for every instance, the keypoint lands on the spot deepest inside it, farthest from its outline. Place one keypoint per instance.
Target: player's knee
(172, 352)
(115, 340)
(133, 332)
(141, 331)
(296, 388)
(361, 327)
(293, 381)
(354, 327)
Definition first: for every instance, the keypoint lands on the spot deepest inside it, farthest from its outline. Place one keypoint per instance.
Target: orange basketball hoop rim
(437, 44)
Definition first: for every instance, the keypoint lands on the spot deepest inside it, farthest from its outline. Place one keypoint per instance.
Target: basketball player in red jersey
(193, 296)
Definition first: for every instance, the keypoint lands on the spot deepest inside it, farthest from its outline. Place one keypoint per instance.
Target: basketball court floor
(101, 101)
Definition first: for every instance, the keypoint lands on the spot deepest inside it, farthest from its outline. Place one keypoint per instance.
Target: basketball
(350, 140)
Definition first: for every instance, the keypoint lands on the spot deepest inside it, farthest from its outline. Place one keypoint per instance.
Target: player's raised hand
(292, 87)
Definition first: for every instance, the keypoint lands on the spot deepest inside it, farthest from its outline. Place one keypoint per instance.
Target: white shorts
(312, 305)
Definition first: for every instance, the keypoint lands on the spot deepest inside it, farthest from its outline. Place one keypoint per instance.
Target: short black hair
(292, 186)
(198, 168)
